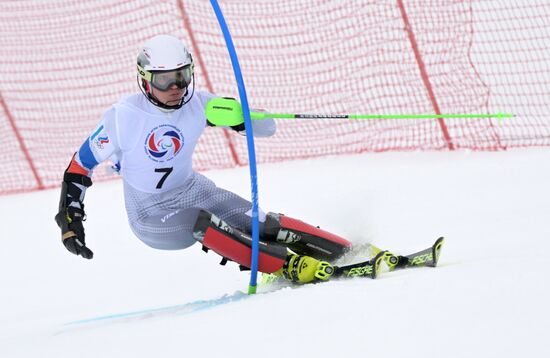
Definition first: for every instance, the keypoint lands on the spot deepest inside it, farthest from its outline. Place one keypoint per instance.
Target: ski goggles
(164, 80)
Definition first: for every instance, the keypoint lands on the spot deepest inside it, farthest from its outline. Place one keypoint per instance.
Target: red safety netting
(64, 62)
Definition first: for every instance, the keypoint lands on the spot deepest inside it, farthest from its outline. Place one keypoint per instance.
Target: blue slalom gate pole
(250, 144)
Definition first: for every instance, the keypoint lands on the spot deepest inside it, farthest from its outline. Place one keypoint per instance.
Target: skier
(150, 136)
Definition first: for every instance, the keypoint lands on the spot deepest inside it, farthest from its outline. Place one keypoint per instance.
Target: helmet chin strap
(164, 106)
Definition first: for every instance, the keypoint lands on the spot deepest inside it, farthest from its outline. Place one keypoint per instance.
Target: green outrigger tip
(228, 112)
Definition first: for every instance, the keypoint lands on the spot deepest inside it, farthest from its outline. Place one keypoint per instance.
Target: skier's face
(170, 97)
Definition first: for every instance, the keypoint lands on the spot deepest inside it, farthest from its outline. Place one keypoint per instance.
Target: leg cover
(235, 245)
(305, 239)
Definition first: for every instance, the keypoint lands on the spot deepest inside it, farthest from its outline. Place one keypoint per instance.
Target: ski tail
(427, 257)
(370, 268)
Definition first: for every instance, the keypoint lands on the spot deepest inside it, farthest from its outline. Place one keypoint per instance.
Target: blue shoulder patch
(86, 156)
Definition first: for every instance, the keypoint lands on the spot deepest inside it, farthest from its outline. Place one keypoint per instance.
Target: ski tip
(436, 250)
(377, 260)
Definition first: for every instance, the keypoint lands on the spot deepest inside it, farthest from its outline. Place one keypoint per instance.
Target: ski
(427, 257)
(370, 268)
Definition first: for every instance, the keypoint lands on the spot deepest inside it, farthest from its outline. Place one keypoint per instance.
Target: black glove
(70, 222)
(238, 127)
(71, 213)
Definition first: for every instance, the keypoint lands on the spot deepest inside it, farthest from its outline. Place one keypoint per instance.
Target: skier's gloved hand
(71, 212)
(72, 231)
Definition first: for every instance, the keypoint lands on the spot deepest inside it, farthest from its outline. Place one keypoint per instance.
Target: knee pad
(305, 239)
(234, 245)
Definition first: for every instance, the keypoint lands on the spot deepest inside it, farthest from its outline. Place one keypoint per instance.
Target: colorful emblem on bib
(163, 143)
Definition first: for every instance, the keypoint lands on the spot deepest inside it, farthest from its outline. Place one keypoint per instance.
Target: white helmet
(162, 62)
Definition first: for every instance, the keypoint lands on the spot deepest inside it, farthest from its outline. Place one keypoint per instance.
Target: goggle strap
(146, 75)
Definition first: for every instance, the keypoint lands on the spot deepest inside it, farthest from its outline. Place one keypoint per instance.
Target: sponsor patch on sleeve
(99, 139)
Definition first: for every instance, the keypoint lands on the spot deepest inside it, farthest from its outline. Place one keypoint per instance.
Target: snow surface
(488, 298)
